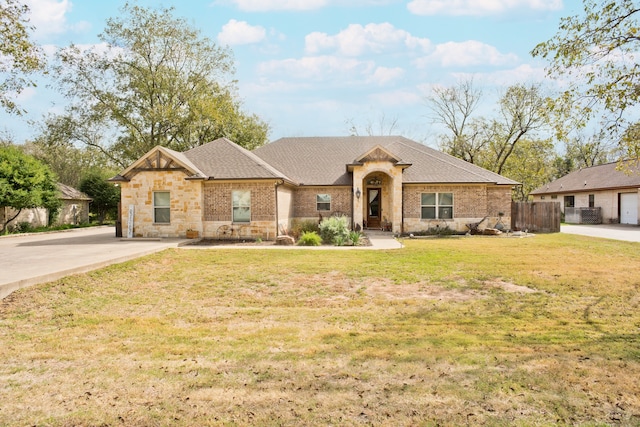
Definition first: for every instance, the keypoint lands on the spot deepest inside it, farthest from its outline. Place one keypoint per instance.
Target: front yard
(469, 331)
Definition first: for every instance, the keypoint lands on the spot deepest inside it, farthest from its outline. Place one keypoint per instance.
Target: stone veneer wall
(471, 203)
(186, 203)
(305, 207)
(218, 210)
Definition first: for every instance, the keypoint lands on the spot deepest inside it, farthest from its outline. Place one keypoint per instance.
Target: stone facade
(185, 200)
(390, 176)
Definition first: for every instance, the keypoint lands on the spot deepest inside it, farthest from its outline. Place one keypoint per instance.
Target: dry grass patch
(538, 331)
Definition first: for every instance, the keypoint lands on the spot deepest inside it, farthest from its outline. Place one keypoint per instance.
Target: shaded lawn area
(477, 331)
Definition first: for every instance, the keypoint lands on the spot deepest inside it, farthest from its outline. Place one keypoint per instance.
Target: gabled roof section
(602, 177)
(222, 159)
(160, 158)
(322, 160)
(69, 193)
(378, 153)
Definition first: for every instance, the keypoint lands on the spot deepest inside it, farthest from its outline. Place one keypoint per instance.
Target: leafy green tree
(69, 162)
(532, 165)
(596, 53)
(105, 195)
(25, 183)
(154, 81)
(20, 55)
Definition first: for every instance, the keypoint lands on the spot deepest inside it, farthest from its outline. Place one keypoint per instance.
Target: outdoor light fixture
(358, 193)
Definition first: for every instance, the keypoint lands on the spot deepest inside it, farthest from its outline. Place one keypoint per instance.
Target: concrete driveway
(630, 233)
(26, 260)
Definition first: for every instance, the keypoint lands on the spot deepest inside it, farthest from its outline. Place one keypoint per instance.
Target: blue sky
(309, 67)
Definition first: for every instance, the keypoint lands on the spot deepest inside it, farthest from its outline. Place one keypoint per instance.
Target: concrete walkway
(29, 259)
(629, 233)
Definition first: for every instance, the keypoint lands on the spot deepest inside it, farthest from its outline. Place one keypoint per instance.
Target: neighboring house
(73, 210)
(75, 206)
(596, 194)
(220, 189)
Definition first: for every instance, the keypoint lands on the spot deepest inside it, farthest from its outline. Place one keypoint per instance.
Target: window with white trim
(161, 207)
(323, 202)
(241, 205)
(436, 205)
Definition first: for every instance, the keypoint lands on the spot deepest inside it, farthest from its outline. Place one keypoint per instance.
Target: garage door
(629, 208)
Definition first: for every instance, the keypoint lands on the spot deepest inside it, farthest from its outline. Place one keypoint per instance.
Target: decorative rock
(285, 241)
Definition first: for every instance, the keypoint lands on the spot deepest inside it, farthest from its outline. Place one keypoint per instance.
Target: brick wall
(217, 200)
(304, 205)
(470, 204)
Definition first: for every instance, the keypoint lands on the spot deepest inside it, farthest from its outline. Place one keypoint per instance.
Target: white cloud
(319, 68)
(357, 40)
(342, 71)
(49, 16)
(479, 7)
(466, 54)
(240, 32)
(270, 5)
(267, 5)
(383, 75)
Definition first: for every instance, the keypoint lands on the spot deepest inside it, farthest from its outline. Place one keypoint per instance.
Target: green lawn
(452, 331)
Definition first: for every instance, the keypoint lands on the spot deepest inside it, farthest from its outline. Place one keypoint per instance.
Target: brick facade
(471, 203)
(305, 206)
(217, 200)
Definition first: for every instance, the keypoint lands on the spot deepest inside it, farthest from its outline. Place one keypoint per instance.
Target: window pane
(242, 214)
(162, 215)
(445, 212)
(241, 201)
(323, 202)
(161, 198)
(428, 212)
(445, 199)
(428, 199)
(241, 198)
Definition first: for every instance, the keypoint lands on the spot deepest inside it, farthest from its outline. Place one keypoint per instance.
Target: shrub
(334, 230)
(298, 227)
(354, 237)
(309, 238)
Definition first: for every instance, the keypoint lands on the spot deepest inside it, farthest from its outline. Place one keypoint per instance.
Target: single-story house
(604, 193)
(75, 206)
(390, 182)
(74, 210)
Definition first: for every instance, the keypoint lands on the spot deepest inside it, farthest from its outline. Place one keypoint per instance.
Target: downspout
(277, 184)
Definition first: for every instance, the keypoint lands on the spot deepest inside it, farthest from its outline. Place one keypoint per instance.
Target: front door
(374, 207)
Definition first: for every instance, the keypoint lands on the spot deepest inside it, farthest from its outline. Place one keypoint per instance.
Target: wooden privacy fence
(536, 217)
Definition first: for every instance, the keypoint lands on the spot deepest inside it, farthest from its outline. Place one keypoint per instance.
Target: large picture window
(323, 202)
(161, 207)
(241, 201)
(436, 205)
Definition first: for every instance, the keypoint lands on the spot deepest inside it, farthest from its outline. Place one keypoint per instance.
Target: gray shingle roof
(70, 193)
(222, 159)
(323, 160)
(600, 177)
